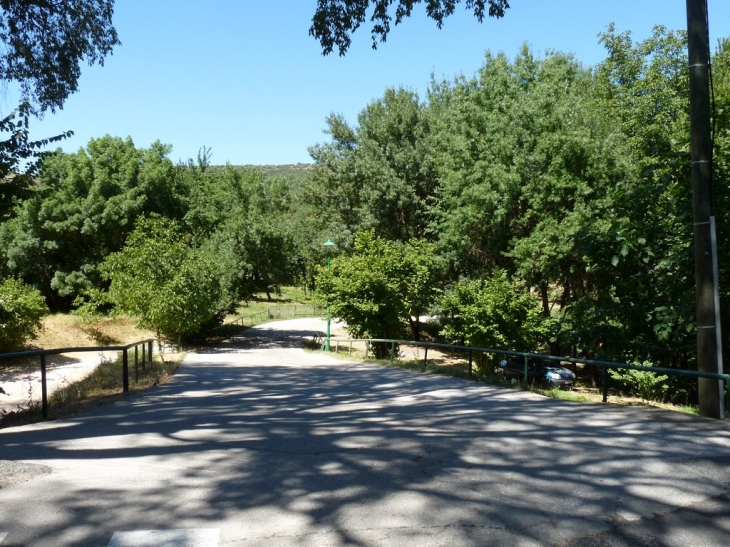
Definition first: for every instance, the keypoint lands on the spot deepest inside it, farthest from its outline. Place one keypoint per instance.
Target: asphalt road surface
(258, 443)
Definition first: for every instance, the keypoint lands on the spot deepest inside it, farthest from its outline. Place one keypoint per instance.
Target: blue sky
(244, 78)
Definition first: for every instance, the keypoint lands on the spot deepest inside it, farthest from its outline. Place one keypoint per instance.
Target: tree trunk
(415, 328)
(545, 301)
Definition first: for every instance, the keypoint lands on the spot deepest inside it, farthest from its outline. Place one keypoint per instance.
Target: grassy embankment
(254, 312)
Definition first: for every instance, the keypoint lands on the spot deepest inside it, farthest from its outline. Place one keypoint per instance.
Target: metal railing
(270, 313)
(42, 353)
(606, 365)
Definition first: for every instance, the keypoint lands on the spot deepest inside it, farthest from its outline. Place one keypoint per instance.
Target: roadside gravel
(13, 472)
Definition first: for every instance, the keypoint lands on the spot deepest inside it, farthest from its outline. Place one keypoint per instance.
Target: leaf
(624, 250)
(614, 260)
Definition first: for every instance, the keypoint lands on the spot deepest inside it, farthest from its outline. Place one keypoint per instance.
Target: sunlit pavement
(263, 444)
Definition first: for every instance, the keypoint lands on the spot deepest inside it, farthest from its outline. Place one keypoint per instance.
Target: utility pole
(709, 350)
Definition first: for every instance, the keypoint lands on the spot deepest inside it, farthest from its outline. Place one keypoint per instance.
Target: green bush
(160, 278)
(366, 290)
(495, 312)
(21, 310)
(648, 385)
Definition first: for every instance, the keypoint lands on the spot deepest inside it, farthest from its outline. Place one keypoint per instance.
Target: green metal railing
(606, 365)
(271, 313)
(42, 353)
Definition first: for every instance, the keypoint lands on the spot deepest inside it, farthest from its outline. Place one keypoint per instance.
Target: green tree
(525, 159)
(364, 290)
(335, 20)
(160, 278)
(496, 312)
(21, 310)
(242, 218)
(379, 175)
(639, 253)
(379, 288)
(422, 280)
(83, 208)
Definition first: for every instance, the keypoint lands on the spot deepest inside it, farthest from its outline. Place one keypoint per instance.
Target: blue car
(539, 371)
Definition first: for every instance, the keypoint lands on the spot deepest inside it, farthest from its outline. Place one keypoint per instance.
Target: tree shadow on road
(295, 446)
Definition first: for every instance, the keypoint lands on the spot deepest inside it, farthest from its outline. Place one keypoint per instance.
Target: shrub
(495, 312)
(21, 310)
(648, 385)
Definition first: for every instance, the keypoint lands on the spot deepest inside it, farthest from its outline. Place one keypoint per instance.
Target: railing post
(525, 378)
(125, 370)
(605, 384)
(144, 356)
(44, 388)
(149, 351)
(471, 359)
(349, 352)
(425, 357)
(136, 365)
(337, 346)
(392, 351)
(367, 348)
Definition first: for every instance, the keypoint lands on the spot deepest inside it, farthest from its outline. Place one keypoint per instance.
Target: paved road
(266, 445)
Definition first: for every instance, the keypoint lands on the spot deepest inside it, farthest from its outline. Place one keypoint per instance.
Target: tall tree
(44, 43)
(641, 258)
(83, 209)
(524, 159)
(378, 175)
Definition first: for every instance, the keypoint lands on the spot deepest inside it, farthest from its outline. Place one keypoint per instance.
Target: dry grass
(62, 331)
(103, 386)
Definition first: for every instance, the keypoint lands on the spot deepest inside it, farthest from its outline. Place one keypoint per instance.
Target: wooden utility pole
(708, 326)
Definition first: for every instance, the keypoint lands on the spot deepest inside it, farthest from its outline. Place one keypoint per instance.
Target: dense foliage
(554, 182)
(381, 288)
(496, 312)
(538, 205)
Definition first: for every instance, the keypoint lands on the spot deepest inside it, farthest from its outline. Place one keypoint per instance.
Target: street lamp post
(328, 244)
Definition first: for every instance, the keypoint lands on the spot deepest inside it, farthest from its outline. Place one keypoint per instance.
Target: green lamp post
(328, 244)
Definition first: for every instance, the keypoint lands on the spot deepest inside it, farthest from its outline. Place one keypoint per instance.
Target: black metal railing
(43, 353)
